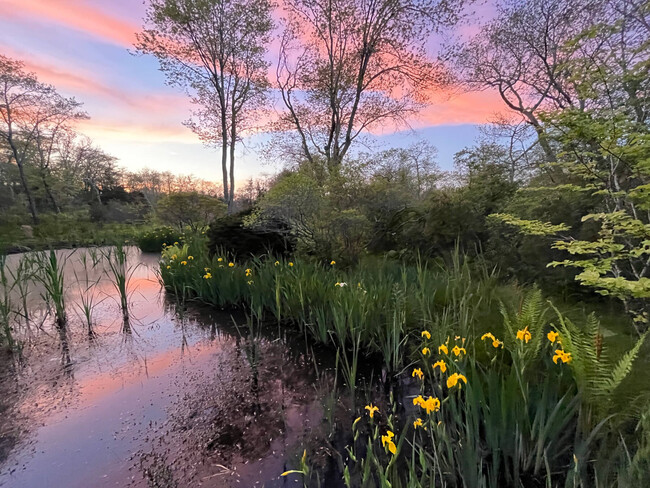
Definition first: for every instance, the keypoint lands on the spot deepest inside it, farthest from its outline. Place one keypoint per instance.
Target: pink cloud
(461, 108)
(76, 15)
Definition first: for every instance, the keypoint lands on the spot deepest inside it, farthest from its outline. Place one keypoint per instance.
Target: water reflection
(187, 397)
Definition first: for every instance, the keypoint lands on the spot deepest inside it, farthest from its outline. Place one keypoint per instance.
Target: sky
(82, 47)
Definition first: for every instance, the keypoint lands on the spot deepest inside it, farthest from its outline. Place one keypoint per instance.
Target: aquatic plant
(499, 403)
(50, 274)
(499, 411)
(88, 298)
(120, 274)
(21, 278)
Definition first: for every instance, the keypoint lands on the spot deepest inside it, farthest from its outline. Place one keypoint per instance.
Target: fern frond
(624, 366)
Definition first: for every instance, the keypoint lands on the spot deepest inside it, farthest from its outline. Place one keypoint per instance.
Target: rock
(28, 230)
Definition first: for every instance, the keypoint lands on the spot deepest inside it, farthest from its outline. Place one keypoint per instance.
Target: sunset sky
(82, 47)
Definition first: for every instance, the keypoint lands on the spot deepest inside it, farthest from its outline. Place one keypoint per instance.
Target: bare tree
(87, 166)
(523, 54)
(347, 66)
(214, 49)
(29, 111)
(415, 163)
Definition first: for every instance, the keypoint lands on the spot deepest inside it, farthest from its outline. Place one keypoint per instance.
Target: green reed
(22, 278)
(120, 274)
(50, 275)
(88, 298)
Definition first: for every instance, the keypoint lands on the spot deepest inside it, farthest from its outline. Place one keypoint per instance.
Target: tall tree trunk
(49, 194)
(23, 180)
(233, 133)
(224, 169)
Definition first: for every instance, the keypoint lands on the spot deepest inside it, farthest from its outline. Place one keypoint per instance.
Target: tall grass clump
(22, 278)
(373, 308)
(156, 239)
(88, 298)
(120, 274)
(526, 404)
(50, 274)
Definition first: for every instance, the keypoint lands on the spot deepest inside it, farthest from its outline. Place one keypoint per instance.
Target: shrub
(231, 235)
(154, 240)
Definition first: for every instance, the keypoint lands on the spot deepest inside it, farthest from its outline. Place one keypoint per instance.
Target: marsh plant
(537, 399)
(51, 276)
(501, 388)
(120, 274)
(22, 279)
(88, 298)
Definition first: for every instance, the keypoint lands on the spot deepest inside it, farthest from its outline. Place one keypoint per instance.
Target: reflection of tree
(253, 406)
(66, 362)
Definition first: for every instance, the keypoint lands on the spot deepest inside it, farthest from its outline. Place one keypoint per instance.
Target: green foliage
(51, 276)
(66, 230)
(602, 148)
(532, 227)
(598, 376)
(189, 209)
(156, 239)
(515, 418)
(231, 234)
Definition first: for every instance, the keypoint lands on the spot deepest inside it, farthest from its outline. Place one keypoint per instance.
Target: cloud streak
(74, 15)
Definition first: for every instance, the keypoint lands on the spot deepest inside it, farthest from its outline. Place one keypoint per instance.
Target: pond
(190, 396)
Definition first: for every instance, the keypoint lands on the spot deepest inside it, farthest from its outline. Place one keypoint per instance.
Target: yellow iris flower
(371, 410)
(489, 335)
(458, 350)
(524, 335)
(431, 405)
(563, 356)
(454, 379)
(440, 364)
(387, 441)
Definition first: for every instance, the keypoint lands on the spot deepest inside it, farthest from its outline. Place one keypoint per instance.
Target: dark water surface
(186, 399)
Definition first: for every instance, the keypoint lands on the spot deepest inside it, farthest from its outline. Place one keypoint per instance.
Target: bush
(154, 240)
(231, 235)
(189, 209)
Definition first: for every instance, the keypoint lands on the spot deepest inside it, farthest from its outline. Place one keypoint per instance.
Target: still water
(191, 397)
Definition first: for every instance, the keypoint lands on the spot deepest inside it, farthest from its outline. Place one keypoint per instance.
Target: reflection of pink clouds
(75, 15)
